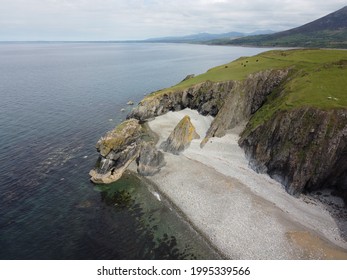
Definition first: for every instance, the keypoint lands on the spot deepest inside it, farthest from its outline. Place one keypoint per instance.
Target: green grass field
(318, 77)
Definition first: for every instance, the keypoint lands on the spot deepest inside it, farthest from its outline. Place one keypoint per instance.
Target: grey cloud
(139, 19)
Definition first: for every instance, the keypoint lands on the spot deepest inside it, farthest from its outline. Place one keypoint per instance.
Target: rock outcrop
(244, 99)
(118, 148)
(304, 149)
(207, 98)
(150, 160)
(231, 102)
(180, 137)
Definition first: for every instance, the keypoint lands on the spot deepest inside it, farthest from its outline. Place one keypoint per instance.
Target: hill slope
(204, 37)
(329, 31)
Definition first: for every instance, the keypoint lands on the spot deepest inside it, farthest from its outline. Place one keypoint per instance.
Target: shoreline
(243, 214)
(161, 196)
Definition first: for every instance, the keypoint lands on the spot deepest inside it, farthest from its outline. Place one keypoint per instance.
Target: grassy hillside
(319, 39)
(326, 32)
(318, 77)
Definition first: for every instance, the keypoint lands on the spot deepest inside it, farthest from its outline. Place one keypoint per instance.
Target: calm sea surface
(56, 100)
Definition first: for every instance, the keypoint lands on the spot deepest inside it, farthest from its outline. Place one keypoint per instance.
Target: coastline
(243, 214)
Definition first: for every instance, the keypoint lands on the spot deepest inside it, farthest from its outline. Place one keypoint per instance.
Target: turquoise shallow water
(56, 100)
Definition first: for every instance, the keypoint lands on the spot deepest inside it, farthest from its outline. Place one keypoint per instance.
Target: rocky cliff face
(180, 137)
(206, 97)
(231, 102)
(118, 148)
(121, 146)
(305, 149)
(244, 99)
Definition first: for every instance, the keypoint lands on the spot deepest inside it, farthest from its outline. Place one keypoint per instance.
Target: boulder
(150, 160)
(125, 134)
(180, 137)
(190, 76)
(118, 148)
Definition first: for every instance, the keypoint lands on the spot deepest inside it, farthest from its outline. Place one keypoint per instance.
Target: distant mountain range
(329, 31)
(205, 37)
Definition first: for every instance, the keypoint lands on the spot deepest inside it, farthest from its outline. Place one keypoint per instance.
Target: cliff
(294, 102)
(244, 99)
(206, 97)
(231, 102)
(305, 149)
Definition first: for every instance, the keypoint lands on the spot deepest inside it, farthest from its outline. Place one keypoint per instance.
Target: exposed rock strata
(150, 160)
(129, 141)
(244, 99)
(305, 149)
(207, 98)
(231, 102)
(118, 148)
(180, 137)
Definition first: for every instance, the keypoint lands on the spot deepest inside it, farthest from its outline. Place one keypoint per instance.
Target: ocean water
(56, 101)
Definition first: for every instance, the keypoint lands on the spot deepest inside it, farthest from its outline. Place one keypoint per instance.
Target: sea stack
(180, 137)
(118, 148)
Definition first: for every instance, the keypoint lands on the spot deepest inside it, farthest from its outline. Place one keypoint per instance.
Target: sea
(56, 100)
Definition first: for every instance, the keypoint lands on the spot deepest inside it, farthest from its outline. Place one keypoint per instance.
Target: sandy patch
(315, 247)
(244, 214)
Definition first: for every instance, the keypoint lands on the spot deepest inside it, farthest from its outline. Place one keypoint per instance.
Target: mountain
(204, 37)
(329, 31)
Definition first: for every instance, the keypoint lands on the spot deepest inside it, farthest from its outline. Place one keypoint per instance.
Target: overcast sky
(140, 19)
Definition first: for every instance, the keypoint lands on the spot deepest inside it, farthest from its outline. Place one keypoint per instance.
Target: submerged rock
(180, 137)
(150, 160)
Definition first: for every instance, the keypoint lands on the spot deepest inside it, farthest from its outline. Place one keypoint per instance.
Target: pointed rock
(181, 137)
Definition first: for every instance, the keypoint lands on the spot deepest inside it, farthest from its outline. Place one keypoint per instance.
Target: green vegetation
(329, 31)
(315, 61)
(317, 78)
(119, 137)
(319, 39)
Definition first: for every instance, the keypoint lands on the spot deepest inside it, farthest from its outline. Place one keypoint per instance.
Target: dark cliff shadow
(335, 206)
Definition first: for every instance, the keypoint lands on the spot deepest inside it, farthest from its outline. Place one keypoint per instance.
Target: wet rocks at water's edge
(118, 148)
(126, 143)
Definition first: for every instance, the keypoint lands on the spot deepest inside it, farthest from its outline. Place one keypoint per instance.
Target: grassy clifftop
(318, 77)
